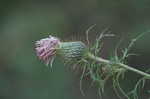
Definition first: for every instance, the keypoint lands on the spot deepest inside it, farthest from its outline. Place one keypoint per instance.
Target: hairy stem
(101, 60)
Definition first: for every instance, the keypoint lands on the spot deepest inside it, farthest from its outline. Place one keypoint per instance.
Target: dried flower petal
(46, 49)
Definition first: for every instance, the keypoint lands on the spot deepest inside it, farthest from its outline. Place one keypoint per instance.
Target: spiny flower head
(46, 48)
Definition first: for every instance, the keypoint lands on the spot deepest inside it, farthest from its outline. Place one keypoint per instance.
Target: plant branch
(104, 61)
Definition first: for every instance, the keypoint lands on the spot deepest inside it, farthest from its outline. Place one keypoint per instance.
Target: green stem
(101, 60)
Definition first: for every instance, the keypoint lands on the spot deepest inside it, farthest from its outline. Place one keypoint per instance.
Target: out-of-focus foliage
(22, 22)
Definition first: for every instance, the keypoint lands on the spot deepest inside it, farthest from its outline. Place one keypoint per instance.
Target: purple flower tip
(46, 48)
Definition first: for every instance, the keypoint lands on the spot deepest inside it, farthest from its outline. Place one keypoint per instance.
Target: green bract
(71, 51)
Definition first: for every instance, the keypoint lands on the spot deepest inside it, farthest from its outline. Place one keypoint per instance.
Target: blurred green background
(22, 22)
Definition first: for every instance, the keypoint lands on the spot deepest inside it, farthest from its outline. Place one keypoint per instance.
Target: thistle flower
(46, 49)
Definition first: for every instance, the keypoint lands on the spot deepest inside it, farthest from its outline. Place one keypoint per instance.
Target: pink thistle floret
(46, 49)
